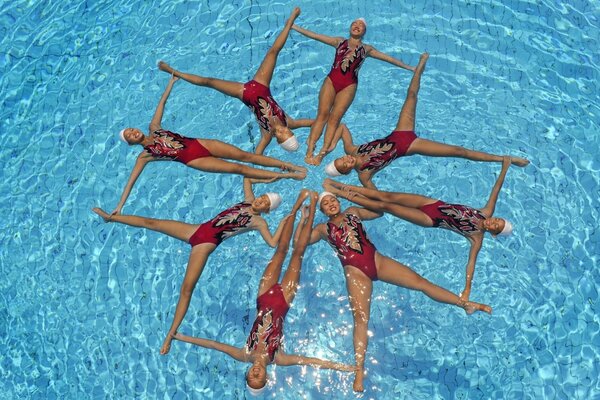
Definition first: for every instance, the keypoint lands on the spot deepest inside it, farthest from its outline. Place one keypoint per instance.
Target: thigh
(391, 271)
(229, 88)
(342, 101)
(430, 148)
(326, 97)
(264, 73)
(223, 150)
(175, 229)
(359, 288)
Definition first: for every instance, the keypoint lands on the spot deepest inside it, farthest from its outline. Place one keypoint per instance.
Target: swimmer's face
(345, 164)
(330, 206)
(283, 133)
(261, 204)
(493, 225)
(133, 135)
(256, 376)
(358, 28)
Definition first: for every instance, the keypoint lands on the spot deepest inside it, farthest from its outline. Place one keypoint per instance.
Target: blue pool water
(84, 305)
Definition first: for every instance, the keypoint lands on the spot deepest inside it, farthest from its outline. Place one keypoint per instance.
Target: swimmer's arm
(248, 191)
(263, 229)
(475, 247)
(265, 139)
(234, 352)
(343, 132)
(299, 123)
(330, 40)
(139, 166)
(364, 213)
(373, 52)
(317, 234)
(158, 114)
(489, 208)
(365, 179)
(294, 359)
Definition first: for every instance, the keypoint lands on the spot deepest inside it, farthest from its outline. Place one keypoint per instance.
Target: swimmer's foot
(470, 307)
(163, 66)
(359, 377)
(519, 161)
(296, 175)
(166, 346)
(295, 13)
(105, 216)
(421, 65)
(311, 160)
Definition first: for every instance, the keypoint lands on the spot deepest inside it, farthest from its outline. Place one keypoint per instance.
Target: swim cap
(363, 21)
(291, 144)
(122, 136)
(274, 199)
(255, 392)
(322, 195)
(507, 230)
(331, 170)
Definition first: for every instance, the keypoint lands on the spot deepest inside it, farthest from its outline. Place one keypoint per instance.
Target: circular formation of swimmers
(362, 263)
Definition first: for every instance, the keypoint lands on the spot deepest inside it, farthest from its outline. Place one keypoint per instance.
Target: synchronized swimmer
(344, 230)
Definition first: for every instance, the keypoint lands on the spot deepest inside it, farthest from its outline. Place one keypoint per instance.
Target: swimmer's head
(341, 166)
(285, 137)
(290, 144)
(267, 202)
(328, 204)
(358, 28)
(131, 135)
(497, 226)
(256, 378)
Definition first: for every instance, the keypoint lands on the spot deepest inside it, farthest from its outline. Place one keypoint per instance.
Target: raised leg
(265, 71)
(175, 229)
(273, 270)
(290, 280)
(230, 88)
(406, 120)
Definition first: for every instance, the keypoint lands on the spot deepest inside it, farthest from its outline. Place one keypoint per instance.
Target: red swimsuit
(344, 71)
(382, 152)
(271, 309)
(461, 219)
(352, 245)
(234, 220)
(173, 146)
(258, 98)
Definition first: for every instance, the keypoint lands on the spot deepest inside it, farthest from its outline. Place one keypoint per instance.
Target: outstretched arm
(384, 57)
(489, 208)
(330, 40)
(139, 166)
(475, 247)
(365, 177)
(234, 352)
(294, 359)
(273, 239)
(299, 123)
(158, 114)
(265, 139)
